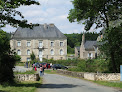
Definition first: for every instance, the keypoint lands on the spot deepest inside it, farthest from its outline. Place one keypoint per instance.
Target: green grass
(50, 71)
(20, 63)
(27, 72)
(110, 84)
(21, 87)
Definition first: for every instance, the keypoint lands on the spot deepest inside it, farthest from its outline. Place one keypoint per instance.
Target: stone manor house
(45, 40)
(88, 49)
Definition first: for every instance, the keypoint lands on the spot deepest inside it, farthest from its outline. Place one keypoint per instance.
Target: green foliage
(7, 59)
(75, 39)
(94, 65)
(17, 58)
(27, 72)
(100, 12)
(8, 12)
(33, 57)
(112, 48)
(21, 86)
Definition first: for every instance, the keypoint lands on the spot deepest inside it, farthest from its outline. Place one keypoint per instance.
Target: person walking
(41, 70)
(35, 68)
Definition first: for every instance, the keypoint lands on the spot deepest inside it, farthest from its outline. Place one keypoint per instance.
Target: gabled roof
(89, 45)
(39, 32)
(78, 48)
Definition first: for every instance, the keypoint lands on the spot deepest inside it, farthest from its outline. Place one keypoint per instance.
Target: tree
(7, 16)
(8, 12)
(99, 12)
(7, 59)
(113, 46)
(32, 56)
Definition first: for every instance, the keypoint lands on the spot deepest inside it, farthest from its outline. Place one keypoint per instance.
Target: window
(19, 52)
(61, 52)
(52, 52)
(89, 55)
(52, 43)
(40, 52)
(28, 52)
(19, 43)
(28, 59)
(61, 43)
(40, 44)
(28, 44)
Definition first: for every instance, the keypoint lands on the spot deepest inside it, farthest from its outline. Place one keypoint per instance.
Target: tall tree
(8, 12)
(7, 16)
(99, 12)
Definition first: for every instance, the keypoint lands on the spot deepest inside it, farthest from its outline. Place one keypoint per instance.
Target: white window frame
(39, 44)
(19, 52)
(29, 44)
(18, 43)
(61, 52)
(28, 52)
(52, 52)
(28, 59)
(51, 43)
(61, 44)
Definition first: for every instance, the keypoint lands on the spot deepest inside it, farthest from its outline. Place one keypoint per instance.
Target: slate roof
(89, 45)
(78, 48)
(39, 32)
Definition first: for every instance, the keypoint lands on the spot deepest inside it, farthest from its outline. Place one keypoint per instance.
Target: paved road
(59, 83)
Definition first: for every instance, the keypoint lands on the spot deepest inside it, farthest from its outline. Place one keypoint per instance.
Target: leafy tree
(7, 16)
(32, 56)
(8, 12)
(100, 12)
(7, 59)
(113, 46)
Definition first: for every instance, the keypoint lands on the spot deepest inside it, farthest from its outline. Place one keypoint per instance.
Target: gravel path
(60, 83)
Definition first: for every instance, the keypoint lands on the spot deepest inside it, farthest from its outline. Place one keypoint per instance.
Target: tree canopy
(100, 12)
(8, 12)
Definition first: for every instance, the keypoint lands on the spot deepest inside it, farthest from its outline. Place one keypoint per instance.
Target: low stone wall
(92, 76)
(27, 77)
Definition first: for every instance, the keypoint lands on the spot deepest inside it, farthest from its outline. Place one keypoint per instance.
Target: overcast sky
(50, 11)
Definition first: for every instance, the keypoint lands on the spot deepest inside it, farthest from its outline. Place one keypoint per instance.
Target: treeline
(75, 39)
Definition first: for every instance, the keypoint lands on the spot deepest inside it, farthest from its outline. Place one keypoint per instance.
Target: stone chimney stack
(83, 39)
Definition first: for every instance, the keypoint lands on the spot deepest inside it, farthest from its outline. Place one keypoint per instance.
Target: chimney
(83, 39)
(45, 26)
(51, 25)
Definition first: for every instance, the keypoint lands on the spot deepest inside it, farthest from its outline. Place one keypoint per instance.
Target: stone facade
(27, 77)
(52, 47)
(87, 49)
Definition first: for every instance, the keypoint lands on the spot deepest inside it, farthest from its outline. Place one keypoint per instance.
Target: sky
(50, 11)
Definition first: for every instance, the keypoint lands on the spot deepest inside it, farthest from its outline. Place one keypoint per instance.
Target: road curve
(60, 83)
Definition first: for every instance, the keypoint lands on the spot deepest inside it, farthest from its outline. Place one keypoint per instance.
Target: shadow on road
(59, 86)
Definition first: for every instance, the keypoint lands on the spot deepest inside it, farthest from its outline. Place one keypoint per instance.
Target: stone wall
(27, 77)
(92, 76)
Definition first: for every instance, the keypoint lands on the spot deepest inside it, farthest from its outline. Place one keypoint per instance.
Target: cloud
(50, 11)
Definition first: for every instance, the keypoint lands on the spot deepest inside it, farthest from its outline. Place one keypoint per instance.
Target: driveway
(60, 83)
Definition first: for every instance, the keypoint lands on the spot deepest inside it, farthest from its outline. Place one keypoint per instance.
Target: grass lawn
(21, 87)
(50, 71)
(27, 72)
(110, 84)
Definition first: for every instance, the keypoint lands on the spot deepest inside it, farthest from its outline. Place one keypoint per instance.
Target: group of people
(41, 69)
